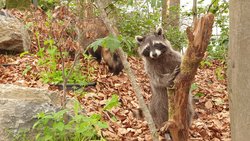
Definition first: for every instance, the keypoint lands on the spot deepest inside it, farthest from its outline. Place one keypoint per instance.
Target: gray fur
(161, 70)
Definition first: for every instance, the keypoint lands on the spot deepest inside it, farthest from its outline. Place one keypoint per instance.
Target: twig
(63, 100)
(210, 6)
(132, 78)
(194, 10)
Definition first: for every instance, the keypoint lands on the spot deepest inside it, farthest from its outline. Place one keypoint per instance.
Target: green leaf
(102, 125)
(111, 103)
(52, 52)
(159, 3)
(40, 52)
(28, 25)
(49, 42)
(27, 69)
(24, 53)
(48, 137)
(76, 107)
(96, 44)
(199, 94)
(111, 42)
(194, 87)
(36, 124)
(40, 115)
(95, 116)
(38, 136)
(59, 115)
(58, 126)
(153, 3)
(130, 2)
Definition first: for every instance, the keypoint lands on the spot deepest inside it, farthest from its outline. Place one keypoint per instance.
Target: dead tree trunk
(198, 41)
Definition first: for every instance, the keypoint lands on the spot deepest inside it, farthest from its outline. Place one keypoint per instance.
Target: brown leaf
(209, 104)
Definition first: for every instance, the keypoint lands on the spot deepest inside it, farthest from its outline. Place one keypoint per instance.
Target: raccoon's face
(152, 46)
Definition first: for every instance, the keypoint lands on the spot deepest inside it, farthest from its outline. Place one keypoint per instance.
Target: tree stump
(198, 38)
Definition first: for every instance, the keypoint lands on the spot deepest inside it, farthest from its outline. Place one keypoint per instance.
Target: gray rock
(19, 105)
(13, 35)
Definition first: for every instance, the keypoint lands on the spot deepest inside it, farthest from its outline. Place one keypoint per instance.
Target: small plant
(193, 87)
(198, 95)
(110, 42)
(219, 73)
(48, 4)
(113, 102)
(26, 70)
(49, 60)
(205, 63)
(66, 125)
(79, 127)
(177, 38)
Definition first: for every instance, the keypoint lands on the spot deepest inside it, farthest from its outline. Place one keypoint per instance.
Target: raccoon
(112, 59)
(162, 65)
(95, 28)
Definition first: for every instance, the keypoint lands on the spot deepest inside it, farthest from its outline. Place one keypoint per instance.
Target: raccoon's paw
(173, 76)
(176, 71)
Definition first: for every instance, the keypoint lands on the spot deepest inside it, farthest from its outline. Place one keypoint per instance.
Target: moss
(19, 4)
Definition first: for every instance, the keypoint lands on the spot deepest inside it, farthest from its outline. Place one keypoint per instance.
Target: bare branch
(130, 74)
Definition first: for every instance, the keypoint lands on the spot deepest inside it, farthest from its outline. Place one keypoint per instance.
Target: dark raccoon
(162, 65)
(94, 29)
(113, 60)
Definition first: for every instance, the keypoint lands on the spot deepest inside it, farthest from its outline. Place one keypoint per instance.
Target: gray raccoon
(162, 65)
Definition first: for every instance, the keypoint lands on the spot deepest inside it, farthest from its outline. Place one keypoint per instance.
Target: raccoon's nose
(155, 55)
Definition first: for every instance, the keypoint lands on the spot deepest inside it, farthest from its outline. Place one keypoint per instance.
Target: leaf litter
(211, 121)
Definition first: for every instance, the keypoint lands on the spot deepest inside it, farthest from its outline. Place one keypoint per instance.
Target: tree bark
(174, 13)
(170, 13)
(198, 41)
(164, 13)
(194, 9)
(35, 3)
(132, 78)
(238, 69)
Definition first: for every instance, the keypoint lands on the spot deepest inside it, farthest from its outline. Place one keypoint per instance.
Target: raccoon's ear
(159, 31)
(139, 39)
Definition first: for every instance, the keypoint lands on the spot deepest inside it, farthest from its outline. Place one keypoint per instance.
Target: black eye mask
(146, 52)
(160, 47)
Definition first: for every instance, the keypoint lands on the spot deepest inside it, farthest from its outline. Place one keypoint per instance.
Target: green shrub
(177, 38)
(49, 61)
(68, 126)
(48, 4)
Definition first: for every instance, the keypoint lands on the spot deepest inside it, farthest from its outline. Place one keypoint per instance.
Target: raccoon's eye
(160, 47)
(146, 52)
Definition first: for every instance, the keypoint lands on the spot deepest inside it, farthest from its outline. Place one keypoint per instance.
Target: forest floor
(211, 122)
